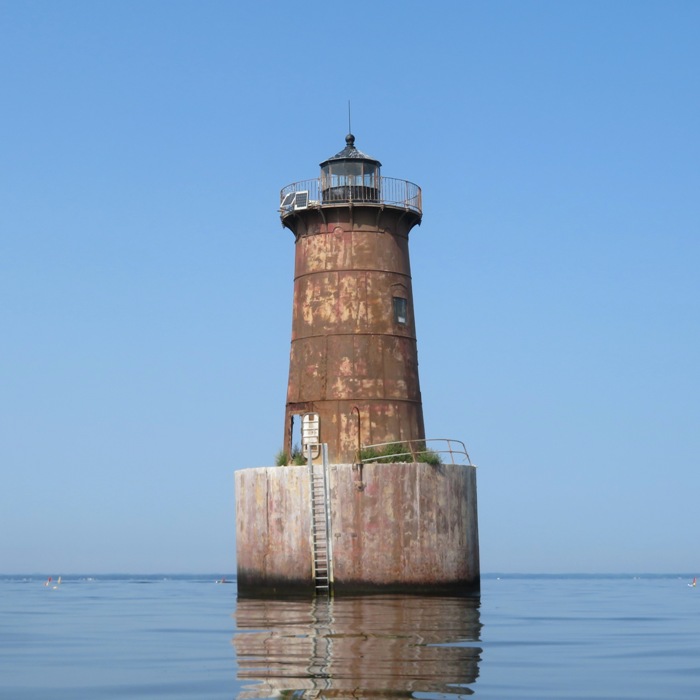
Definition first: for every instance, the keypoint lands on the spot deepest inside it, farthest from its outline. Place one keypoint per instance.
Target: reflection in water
(388, 646)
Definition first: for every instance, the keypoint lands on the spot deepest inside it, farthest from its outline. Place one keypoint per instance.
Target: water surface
(182, 637)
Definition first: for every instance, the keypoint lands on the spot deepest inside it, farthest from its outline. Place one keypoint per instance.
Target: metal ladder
(321, 524)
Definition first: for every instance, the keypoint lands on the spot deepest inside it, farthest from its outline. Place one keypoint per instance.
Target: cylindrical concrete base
(400, 527)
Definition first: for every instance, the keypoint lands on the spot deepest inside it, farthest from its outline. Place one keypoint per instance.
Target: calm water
(187, 637)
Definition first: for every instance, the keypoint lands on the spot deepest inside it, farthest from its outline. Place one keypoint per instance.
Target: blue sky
(146, 282)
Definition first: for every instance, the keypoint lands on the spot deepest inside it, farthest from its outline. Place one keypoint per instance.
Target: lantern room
(350, 176)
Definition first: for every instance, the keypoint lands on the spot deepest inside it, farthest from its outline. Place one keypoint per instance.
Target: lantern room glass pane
(350, 180)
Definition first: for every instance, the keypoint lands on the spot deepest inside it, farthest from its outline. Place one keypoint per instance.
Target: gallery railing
(391, 192)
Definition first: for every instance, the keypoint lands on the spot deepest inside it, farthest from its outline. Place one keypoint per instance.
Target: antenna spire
(349, 123)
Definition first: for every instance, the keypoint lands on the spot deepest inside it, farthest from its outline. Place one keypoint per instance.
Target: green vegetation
(400, 452)
(298, 456)
(283, 459)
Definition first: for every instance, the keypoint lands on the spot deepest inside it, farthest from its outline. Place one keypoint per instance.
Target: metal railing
(418, 451)
(391, 192)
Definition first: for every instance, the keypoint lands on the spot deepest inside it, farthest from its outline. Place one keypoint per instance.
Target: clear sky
(146, 281)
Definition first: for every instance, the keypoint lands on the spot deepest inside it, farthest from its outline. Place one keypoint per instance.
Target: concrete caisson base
(401, 527)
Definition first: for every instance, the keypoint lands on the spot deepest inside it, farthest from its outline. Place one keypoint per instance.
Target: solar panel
(302, 200)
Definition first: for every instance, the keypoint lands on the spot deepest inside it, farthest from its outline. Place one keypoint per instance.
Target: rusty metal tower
(353, 359)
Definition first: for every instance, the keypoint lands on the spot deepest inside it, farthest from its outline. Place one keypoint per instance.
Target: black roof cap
(350, 153)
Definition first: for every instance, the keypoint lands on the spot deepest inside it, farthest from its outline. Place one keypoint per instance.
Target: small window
(400, 310)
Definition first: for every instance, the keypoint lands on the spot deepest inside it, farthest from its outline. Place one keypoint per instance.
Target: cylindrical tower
(353, 358)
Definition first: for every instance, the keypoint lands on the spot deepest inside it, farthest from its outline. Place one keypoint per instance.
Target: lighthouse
(361, 500)
(353, 360)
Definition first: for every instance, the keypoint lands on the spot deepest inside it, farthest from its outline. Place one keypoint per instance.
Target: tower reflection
(365, 647)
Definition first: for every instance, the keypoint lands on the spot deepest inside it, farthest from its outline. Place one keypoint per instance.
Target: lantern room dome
(351, 153)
